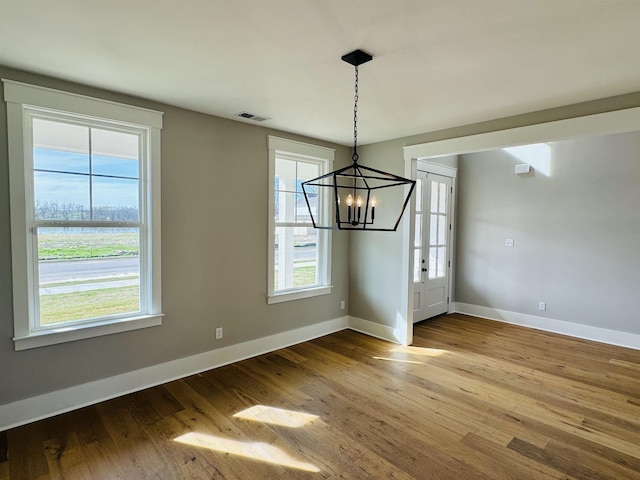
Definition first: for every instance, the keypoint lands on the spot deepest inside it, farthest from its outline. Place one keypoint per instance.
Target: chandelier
(356, 189)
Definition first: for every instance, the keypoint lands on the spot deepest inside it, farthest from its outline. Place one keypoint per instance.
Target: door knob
(424, 269)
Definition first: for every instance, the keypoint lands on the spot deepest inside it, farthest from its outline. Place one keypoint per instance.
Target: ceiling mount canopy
(355, 189)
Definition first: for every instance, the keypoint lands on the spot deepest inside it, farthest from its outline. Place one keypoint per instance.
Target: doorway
(432, 252)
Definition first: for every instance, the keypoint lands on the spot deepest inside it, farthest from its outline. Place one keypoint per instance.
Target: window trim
(301, 151)
(23, 99)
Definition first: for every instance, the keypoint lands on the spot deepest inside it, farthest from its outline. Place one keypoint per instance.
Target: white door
(431, 256)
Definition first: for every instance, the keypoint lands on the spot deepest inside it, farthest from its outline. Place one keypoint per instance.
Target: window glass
(115, 199)
(60, 146)
(299, 257)
(296, 257)
(86, 273)
(61, 196)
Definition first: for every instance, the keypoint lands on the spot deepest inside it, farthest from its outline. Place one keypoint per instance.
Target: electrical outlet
(343, 305)
(218, 333)
(508, 242)
(542, 306)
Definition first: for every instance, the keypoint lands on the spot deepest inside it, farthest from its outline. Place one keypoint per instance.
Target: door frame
(617, 121)
(452, 173)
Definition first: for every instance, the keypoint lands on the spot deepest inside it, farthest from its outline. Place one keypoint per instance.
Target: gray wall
(576, 233)
(375, 276)
(214, 255)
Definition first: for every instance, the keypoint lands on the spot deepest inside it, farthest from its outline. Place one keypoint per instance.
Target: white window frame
(25, 102)
(324, 157)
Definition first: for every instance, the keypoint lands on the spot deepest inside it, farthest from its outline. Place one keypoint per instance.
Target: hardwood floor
(471, 399)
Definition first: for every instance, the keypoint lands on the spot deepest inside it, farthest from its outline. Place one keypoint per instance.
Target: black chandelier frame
(356, 179)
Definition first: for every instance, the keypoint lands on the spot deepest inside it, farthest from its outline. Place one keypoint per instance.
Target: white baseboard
(61, 401)
(383, 332)
(587, 332)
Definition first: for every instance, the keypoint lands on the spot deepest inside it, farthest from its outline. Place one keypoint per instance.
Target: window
(299, 255)
(85, 215)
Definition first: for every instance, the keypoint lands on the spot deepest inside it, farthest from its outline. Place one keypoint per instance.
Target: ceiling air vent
(251, 116)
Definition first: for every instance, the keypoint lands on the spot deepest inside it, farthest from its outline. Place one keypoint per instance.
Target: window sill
(79, 332)
(298, 294)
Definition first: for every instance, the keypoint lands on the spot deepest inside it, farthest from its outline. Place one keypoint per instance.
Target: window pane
(302, 211)
(115, 199)
(296, 257)
(115, 167)
(307, 171)
(285, 175)
(58, 161)
(285, 207)
(59, 146)
(87, 273)
(61, 196)
(114, 153)
(419, 194)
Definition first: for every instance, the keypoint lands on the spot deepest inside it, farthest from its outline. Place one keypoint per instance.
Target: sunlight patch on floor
(425, 352)
(259, 451)
(399, 360)
(276, 416)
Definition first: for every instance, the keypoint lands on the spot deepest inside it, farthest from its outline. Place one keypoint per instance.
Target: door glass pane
(434, 196)
(419, 195)
(442, 205)
(417, 265)
(433, 230)
(442, 229)
(433, 258)
(61, 196)
(87, 273)
(441, 261)
(417, 241)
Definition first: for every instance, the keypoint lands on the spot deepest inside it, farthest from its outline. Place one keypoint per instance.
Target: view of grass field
(71, 246)
(305, 275)
(83, 244)
(68, 307)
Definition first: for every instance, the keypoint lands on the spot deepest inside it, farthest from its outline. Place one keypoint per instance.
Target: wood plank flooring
(471, 399)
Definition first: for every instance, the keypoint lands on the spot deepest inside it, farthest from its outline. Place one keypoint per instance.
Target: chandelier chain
(355, 121)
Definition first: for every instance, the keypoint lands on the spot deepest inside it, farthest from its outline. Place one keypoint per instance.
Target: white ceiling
(437, 63)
